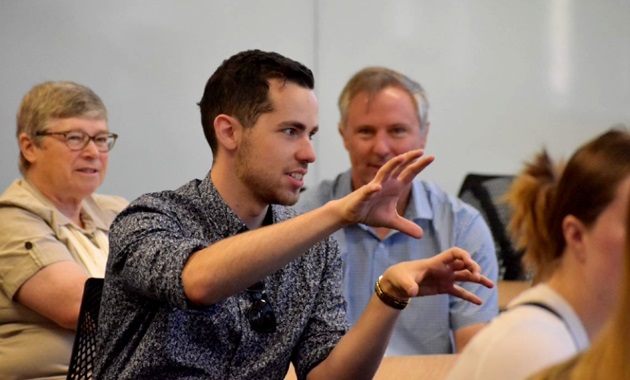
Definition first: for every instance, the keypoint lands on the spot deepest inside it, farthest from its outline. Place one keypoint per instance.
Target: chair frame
(84, 348)
(474, 182)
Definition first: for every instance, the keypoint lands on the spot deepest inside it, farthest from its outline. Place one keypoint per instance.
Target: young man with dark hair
(219, 279)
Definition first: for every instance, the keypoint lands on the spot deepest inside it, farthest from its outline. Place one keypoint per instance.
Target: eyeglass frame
(110, 137)
(260, 314)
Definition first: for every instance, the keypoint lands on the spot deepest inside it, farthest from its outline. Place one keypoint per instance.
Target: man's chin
(288, 199)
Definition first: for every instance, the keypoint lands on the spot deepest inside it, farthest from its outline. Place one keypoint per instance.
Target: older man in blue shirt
(383, 114)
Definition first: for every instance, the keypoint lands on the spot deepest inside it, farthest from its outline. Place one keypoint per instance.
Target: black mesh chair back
(485, 192)
(84, 349)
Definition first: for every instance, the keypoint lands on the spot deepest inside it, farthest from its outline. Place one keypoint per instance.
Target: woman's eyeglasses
(260, 313)
(78, 140)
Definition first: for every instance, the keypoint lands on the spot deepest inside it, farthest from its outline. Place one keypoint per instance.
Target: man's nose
(382, 145)
(306, 153)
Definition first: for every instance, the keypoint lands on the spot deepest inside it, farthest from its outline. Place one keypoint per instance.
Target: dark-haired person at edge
(220, 280)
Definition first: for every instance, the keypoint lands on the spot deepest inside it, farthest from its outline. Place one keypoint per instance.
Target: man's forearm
(228, 266)
(358, 354)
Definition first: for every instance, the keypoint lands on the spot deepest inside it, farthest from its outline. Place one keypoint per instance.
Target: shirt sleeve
(27, 244)
(473, 235)
(148, 249)
(328, 322)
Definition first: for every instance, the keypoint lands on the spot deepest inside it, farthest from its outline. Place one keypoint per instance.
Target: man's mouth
(88, 170)
(297, 176)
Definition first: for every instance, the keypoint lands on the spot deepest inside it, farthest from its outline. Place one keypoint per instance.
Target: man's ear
(342, 132)
(228, 131)
(27, 147)
(574, 234)
(424, 133)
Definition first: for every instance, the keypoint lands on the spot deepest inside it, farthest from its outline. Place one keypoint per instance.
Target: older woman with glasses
(53, 228)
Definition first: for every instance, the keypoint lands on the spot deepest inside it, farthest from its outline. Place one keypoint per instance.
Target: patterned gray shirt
(148, 330)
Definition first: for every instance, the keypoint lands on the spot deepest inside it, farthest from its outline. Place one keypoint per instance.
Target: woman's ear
(228, 131)
(574, 234)
(27, 147)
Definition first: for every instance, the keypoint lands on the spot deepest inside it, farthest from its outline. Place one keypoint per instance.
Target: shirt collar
(49, 212)
(220, 214)
(419, 206)
(230, 223)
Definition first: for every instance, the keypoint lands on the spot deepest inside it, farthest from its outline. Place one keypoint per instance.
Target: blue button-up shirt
(426, 325)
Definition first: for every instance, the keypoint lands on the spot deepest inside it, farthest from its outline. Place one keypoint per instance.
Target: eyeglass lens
(79, 140)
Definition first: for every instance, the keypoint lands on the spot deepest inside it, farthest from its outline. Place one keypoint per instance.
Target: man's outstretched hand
(374, 204)
(436, 275)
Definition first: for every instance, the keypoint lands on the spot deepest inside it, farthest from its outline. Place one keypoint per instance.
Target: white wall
(149, 61)
(503, 78)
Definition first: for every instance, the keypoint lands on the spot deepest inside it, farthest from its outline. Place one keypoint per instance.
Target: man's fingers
(467, 276)
(411, 171)
(408, 159)
(465, 268)
(464, 294)
(396, 165)
(386, 170)
(408, 227)
(460, 256)
(485, 281)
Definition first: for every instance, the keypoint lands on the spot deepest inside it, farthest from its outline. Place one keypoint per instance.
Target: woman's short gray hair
(55, 100)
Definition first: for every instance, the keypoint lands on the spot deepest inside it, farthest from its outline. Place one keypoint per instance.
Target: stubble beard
(259, 180)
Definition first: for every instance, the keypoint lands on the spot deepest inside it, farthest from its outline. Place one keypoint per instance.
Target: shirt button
(28, 245)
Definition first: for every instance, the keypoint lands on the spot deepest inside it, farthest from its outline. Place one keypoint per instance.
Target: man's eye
(399, 131)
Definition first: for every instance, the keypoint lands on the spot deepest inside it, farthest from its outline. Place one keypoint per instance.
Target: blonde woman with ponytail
(609, 356)
(571, 221)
